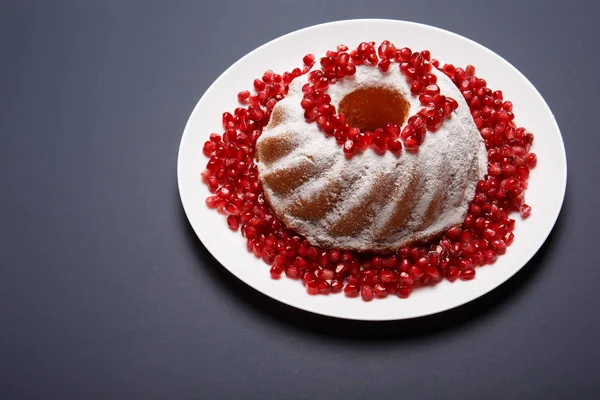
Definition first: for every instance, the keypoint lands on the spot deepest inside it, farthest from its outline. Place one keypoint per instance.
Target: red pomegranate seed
(432, 90)
(366, 292)
(416, 272)
(449, 69)
(531, 160)
(379, 291)
(259, 85)
(490, 256)
(224, 193)
(256, 114)
(433, 272)
(213, 201)
(499, 246)
(325, 274)
(394, 145)
(232, 209)
(508, 238)
(387, 276)
(292, 272)
(489, 234)
(510, 184)
(336, 286)
(213, 183)
(243, 96)
(404, 291)
(312, 287)
(307, 104)
(342, 59)
(467, 274)
(276, 272)
(384, 65)
(209, 148)
(386, 50)
(452, 274)
(351, 290)
(308, 59)
(525, 211)
(324, 288)
(454, 233)
(233, 222)
(411, 144)
(250, 232)
(349, 147)
(268, 76)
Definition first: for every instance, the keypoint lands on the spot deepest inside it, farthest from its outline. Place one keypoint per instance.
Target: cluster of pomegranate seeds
(486, 232)
(341, 63)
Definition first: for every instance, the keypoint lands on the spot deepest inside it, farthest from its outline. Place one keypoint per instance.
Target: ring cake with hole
(372, 201)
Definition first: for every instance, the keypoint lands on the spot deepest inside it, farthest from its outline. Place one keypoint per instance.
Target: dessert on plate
(374, 171)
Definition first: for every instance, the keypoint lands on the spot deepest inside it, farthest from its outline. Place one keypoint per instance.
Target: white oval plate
(545, 193)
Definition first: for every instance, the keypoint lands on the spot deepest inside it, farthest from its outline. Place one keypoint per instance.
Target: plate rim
(441, 309)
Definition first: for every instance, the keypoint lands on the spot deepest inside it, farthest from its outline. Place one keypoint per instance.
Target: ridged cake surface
(370, 202)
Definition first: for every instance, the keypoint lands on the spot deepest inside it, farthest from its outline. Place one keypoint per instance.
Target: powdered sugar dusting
(448, 164)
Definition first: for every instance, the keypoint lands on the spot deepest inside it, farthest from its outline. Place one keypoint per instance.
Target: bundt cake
(370, 202)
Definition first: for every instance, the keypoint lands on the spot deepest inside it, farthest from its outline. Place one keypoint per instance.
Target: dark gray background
(105, 292)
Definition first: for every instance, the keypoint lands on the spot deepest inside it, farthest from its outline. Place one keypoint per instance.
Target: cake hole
(370, 108)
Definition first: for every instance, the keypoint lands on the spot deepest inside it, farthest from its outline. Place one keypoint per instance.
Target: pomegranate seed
(416, 272)
(404, 54)
(384, 65)
(452, 274)
(308, 59)
(379, 291)
(454, 233)
(525, 211)
(324, 287)
(233, 222)
(336, 286)
(490, 256)
(312, 287)
(259, 85)
(342, 59)
(292, 272)
(499, 246)
(449, 69)
(387, 276)
(351, 290)
(394, 145)
(213, 201)
(209, 148)
(232, 209)
(467, 274)
(366, 293)
(276, 272)
(433, 272)
(307, 104)
(243, 96)
(256, 114)
(325, 274)
(349, 147)
(432, 90)
(508, 238)
(404, 291)
(531, 160)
